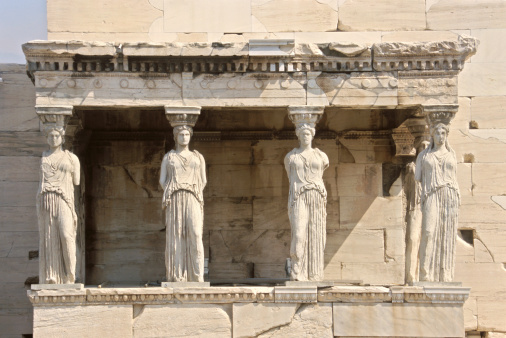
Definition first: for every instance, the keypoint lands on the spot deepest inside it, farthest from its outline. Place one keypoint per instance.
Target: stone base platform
(279, 311)
(185, 284)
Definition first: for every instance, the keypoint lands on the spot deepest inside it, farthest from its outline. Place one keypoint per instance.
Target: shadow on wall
(246, 228)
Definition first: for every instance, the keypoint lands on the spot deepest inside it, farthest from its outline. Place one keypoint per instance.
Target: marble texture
(436, 170)
(59, 172)
(307, 200)
(183, 178)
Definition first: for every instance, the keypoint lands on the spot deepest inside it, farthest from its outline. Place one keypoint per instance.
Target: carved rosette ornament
(436, 170)
(57, 218)
(307, 200)
(183, 178)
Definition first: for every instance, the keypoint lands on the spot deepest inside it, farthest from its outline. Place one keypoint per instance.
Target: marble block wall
(246, 227)
(21, 145)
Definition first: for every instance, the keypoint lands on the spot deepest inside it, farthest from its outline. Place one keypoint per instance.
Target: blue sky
(20, 22)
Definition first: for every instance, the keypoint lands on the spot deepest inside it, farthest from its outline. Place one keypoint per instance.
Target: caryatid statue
(418, 128)
(59, 172)
(307, 199)
(436, 169)
(183, 178)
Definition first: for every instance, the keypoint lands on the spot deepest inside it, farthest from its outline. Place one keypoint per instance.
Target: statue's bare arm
(163, 172)
(76, 175)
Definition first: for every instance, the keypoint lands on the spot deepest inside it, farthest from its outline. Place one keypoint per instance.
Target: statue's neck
(305, 147)
(182, 148)
(55, 150)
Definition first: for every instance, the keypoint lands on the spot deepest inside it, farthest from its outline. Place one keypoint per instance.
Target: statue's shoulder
(72, 156)
(322, 155)
(169, 154)
(320, 152)
(199, 155)
(291, 153)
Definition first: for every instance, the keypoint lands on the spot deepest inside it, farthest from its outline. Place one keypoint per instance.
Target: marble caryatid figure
(413, 190)
(183, 178)
(59, 172)
(436, 169)
(307, 199)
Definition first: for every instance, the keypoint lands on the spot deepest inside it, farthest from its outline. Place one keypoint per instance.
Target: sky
(20, 22)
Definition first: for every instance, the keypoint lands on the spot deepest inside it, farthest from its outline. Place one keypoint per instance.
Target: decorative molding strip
(256, 56)
(296, 294)
(278, 294)
(351, 294)
(365, 135)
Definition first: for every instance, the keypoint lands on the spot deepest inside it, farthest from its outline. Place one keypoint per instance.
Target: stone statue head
(303, 131)
(182, 134)
(55, 135)
(439, 135)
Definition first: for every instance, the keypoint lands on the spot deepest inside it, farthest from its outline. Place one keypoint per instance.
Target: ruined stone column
(436, 170)
(307, 200)
(56, 211)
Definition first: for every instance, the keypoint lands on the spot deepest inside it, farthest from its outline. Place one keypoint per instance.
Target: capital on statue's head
(305, 115)
(182, 115)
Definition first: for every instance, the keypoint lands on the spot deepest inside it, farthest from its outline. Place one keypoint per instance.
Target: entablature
(261, 73)
(255, 56)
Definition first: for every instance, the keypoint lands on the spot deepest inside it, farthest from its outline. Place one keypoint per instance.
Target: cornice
(255, 56)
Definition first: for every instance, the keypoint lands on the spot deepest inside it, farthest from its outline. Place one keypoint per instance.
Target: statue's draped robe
(413, 191)
(184, 217)
(307, 211)
(440, 202)
(57, 219)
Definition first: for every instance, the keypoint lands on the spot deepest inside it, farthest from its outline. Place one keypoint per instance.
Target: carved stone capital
(300, 115)
(435, 114)
(417, 126)
(182, 115)
(404, 141)
(54, 116)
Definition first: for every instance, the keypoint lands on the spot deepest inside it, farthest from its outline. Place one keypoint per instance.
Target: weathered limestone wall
(21, 146)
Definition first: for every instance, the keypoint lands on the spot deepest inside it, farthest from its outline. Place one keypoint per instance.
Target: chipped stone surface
(481, 79)
(82, 16)
(293, 16)
(466, 14)
(387, 320)
(383, 15)
(207, 320)
(309, 320)
(489, 111)
(59, 321)
(252, 319)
